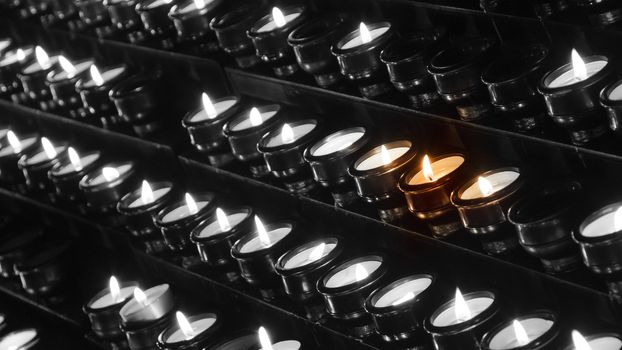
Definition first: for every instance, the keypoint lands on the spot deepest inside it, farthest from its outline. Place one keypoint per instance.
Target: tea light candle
(45, 271)
(10, 154)
(531, 331)
(11, 62)
(103, 309)
(104, 186)
(365, 36)
(62, 83)
(66, 175)
(33, 75)
(192, 19)
(605, 341)
(36, 166)
(488, 185)
(152, 304)
(22, 339)
(278, 20)
(264, 238)
(194, 332)
(94, 91)
(155, 20)
(230, 29)
(114, 295)
(266, 343)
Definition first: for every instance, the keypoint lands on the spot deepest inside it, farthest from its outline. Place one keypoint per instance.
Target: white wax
(272, 26)
(41, 156)
(440, 168)
(16, 340)
(505, 339)
(191, 6)
(221, 106)
(26, 143)
(357, 41)
(100, 179)
(601, 226)
(347, 276)
(12, 56)
(286, 345)
(213, 228)
(605, 343)
(152, 295)
(393, 295)
(86, 161)
(157, 194)
(448, 316)
(304, 257)
(568, 78)
(35, 66)
(336, 142)
(299, 132)
(106, 75)
(499, 181)
(616, 93)
(245, 123)
(376, 160)
(107, 300)
(3, 133)
(198, 326)
(255, 244)
(182, 212)
(4, 44)
(80, 67)
(157, 3)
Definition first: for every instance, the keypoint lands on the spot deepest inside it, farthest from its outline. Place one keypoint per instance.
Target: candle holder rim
(489, 78)
(542, 340)
(208, 196)
(404, 181)
(234, 17)
(29, 344)
(29, 51)
(144, 6)
(84, 84)
(53, 64)
(235, 120)
(85, 181)
(43, 256)
(370, 301)
(176, 13)
(314, 265)
(88, 309)
(337, 49)
(23, 160)
(196, 340)
(52, 78)
(482, 44)
(397, 163)
(593, 336)
(123, 206)
(194, 235)
(134, 84)
(354, 147)
(502, 193)
(85, 169)
(544, 88)
(302, 141)
(488, 313)
(235, 249)
(331, 21)
(606, 92)
(610, 237)
(26, 150)
(570, 187)
(421, 48)
(349, 288)
(228, 114)
(267, 18)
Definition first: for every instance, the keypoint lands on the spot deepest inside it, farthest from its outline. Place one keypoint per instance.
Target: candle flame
(74, 158)
(42, 57)
(115, 290)
(428, 173)
(140, 296)
(146, 193)
(223, 220)
(21, 54)
(578, 66)
(255, 117)
(521, 334)
(463, 313)
(48, 148)
(191, 204)
(199, 4)
(184, 325)
(485, 187)
(208, 106)
(278, 18)
(15, 143)
(67, 66)
(360, 272)
(287, 134)
(406, 297)
(365, 34)
(262, 233)
(110, 173)
(264, 339)
(579, 342)
(317, 252)
(386, 156)
(96, 76)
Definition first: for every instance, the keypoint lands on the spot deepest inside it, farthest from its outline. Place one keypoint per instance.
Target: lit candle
(148, 196)
(224, 223)
(489, 184)
(309, 255)
(278, 20)
(189, 208)
(353, 273)
(149, 305)
(364, 36)
(383, 157)
(431, 172)
(288, 134)
(113, 296)
(188, 328)
(192, 6)
(21, 339)
(255, 119)
(578, 72)
(266, 343)
(16, 146)
(76, 162)
(17, 56)
(264, 238)
(211, 110)
(42, 63)
(98, 78)
(69, 70)
(608, 222)
(461, 310)
(48, 153)
(110, 174)
(537, 329)
(596, 342)
(157, 3)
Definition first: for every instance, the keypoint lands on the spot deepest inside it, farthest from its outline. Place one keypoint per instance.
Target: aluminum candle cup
(123, 15)
(512, 83)
(448, 331)
(301, 267)
(573, 103)
(601, 13)
(36, 166)
(230, 29)
(244, 131)
(611, 100)
(15, 248)
(10, 174)
(104, 186)
(103, 311)
(206, 131)
(245, 339)
(312, 44)
(359, 60)
(428, 195)
(45, 271)
(154, 16)
(205, 328)
(483, 203)
(601, 341)
(282, 150)
(13, 62)
(270, 39)
(329, 159)
(376, 174)
(63, 88)
(33, 78)
(65, 176)
(398, 309)
(192, 23)
(23, 339)
(538, 330)
(544, 220)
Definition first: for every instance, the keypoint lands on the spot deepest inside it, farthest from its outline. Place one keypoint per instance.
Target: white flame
(262, 233)
(463, 313)
(360, 272)
(208, 106)
(428, 173)
(191, 204)
(48, 148)
(579, 342)
(14, 141)
(184, 325)
(317, 252)
(67, 66)
(74, 158)
(223, 220)
(140, 296)
(255, 117)
(110, 173)
(264, 339)
(21, 54)
(42, 57)
(485, 187)
(365, 34)
(199, 4)
(287, 134)
(578, 66)
(386, 156)
(277, 16)
(521, 334)
(406, 297)
(146, 193)
(96, 76)
(115, 291)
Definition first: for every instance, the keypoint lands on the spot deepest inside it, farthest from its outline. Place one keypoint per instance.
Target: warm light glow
(96, 76)
(521, 334)
(42, 57)
(578, 66)
(485, 187)
(386, 157)
(146, 193)
(261, 232)
(199, 4)
(317, 252)
(184, 325)
(255, 117)
(21, 55)
(461, 308)
(48, 148)
(191, 204)
(579, 341)
(223, 221)
(278, 18)
(264, 339)
(110, 174)
(15, 143)
(140, 296)
(67, 66)
(365, 34)
(208, 106)
(74, 158)
(428, 173)
(115, 290)
(287, 134)
(406, 297)
(360, 272)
